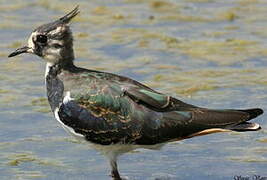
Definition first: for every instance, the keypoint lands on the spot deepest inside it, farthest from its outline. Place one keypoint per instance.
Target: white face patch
(30, 42)
(54, 48)
(51, 53)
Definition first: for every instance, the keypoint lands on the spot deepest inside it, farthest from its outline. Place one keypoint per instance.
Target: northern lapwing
(114, 113)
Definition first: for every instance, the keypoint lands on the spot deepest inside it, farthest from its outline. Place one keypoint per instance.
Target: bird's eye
(41, 39)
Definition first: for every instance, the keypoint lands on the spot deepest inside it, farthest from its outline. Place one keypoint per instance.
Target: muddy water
(208, 52)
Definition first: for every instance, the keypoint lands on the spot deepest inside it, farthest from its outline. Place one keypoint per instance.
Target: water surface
(210, 53)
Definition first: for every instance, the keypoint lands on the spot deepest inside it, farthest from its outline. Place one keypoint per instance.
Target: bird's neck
(56, 68)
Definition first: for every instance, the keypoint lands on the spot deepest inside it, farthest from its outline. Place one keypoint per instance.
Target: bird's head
(52, 41)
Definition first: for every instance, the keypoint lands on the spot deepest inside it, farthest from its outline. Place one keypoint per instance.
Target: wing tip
(248, 126)
(253, 113)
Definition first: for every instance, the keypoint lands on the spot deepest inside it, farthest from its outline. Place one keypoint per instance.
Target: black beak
(24, 49)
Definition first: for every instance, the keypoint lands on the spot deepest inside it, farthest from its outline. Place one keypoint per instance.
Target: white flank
(67, 98)
(67, 128)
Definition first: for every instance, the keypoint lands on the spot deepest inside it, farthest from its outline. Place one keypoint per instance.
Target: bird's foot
(116, 177)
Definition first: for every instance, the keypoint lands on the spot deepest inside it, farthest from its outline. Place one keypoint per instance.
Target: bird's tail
(213, 121)
(247, 126)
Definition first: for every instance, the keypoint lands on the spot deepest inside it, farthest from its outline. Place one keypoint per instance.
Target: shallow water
(210, 53)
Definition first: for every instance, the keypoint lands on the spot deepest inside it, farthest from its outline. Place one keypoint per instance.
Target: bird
(116, 114)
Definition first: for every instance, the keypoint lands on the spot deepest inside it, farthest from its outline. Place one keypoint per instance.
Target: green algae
(264, 140)
(101, 10)
(82, 35)
(15, 45)
(13, 6)
(249, 159)
(3, 91)
(40, 105)
(216, 34)
(43, 110)
(22, 174)
(39, 102)
(7, 25)
(19, 66)
(195, 88)
(165, 66)
(201, 1)
(163, 6)
(3, 54)
(228, 16)
(54, 5)
(194, 81)
(4, 145)
(184, 18)
(8, 99)
(259, 150)
(118, 16)
(222, 52)
(15, 159)
(72, 140)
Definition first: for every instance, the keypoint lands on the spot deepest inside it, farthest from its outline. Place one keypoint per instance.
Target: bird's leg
(114, 169)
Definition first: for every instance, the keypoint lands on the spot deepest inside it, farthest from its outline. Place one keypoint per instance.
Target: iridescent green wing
(154, 100)
(103, 114)
(106, 88)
